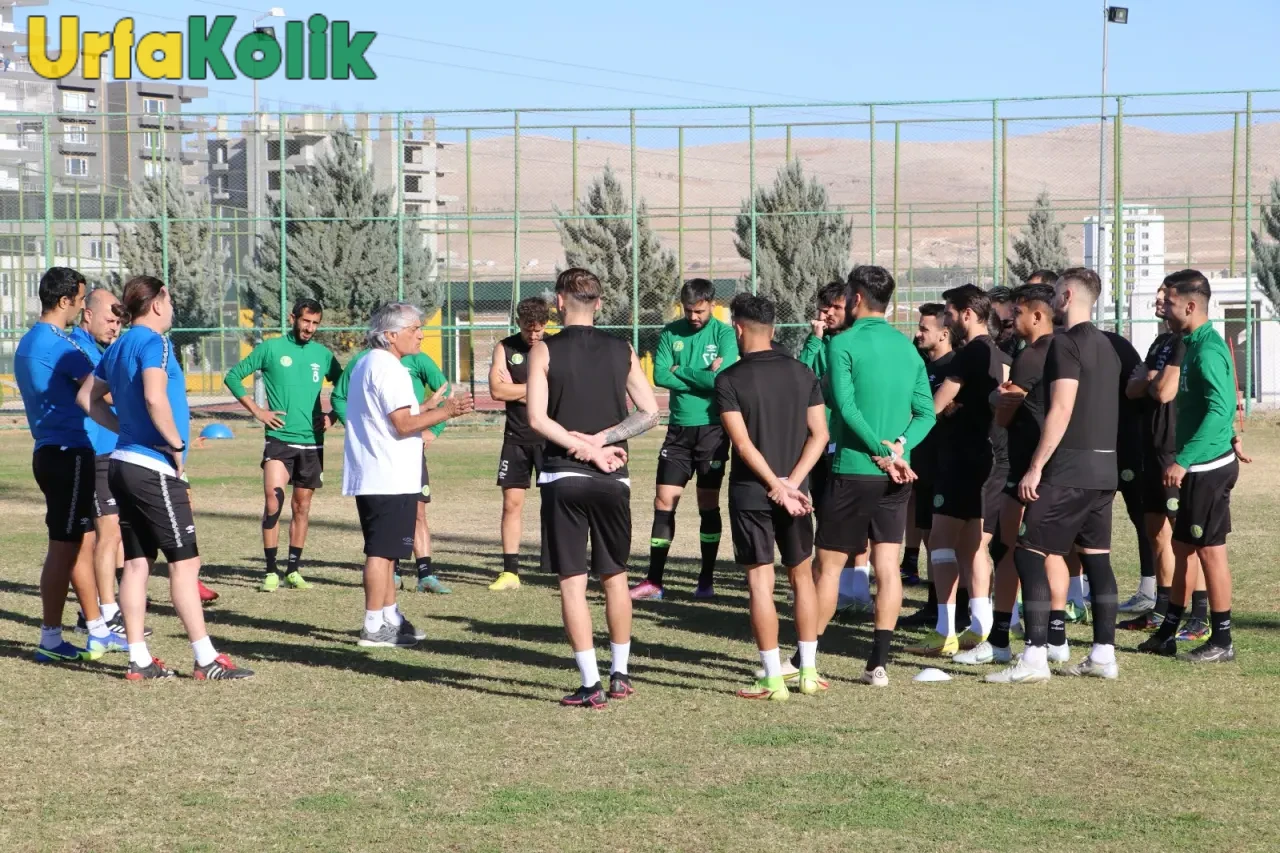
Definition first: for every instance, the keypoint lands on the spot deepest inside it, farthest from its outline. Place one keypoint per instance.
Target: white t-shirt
(377, 460)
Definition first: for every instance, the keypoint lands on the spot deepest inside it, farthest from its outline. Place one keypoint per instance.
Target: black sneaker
(220, 669)
(1153, 645)
(925, 617)
(587, 697)
(1210, 653)
(116, 623)
(620, 686)
(155, 669)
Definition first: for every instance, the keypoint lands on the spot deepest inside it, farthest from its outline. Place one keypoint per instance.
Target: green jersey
(682, 365)
(293, 373)
(423, 370)
(1206, 399)
(878, 389)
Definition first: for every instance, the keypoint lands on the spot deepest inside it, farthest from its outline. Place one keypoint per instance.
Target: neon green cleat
(295, 580)
(936, 646)
(1078, 615)
(270, 583)
(811, 683)
(969, 640)
(505, 581)
(431, 583)
(769, 689)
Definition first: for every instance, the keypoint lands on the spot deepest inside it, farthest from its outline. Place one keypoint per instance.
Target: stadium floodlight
(1117, 14)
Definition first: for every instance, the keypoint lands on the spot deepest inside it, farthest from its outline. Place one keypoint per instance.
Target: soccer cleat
(270, 583)
(978, 655)
(116, 624)
(1001, 654)
(875, 677)
(386, 637)
(1088, 668)
(1153, 645)
(431, 583)
(64, 652)
(1209, 653)
(1059, 654)
(220, 669)
(924, 617)
(851, 606)
(646, 591)
(1194, 631)
(592, 697)
(789, 671)
(1148, 622)
(620, 686)
(1078, 614)
(768, 689)
(704, 593)
(207, 596)
(408, 631)
(295, 580)
(113, 642)
(936, 646)
(969, 639)
(505, 581)
(155, 669)
(811, 683)
(1139, 602)
(1019, 673)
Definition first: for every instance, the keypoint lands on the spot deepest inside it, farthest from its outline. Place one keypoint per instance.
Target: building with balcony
(1142, 246)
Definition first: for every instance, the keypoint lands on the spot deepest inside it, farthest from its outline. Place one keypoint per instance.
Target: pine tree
(1040, 245)
(341, 248)
(800, 246)
(197, 273)
(1266, 253)
(600, 241)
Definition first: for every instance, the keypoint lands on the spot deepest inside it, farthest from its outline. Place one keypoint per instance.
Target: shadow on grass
(215, 573)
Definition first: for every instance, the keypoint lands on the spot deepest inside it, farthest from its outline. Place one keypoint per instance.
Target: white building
(1142, 247)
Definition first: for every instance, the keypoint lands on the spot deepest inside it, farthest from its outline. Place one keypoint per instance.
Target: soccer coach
(382, 462)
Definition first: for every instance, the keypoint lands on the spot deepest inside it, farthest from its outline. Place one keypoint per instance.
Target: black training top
(586, 391)
(518, 430)
(773, 392)
(1159, 421)
(924, 458)
(978, 366)
(1028, 419)
(1086, 456)
(1129, 417)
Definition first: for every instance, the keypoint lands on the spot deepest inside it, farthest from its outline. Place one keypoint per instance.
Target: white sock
(1075, 590)
(391, 615)
(1036, 657)
(1147, 587)
(981, 616)
(772, 663)
(204, 651)
(50, 638)
(139, 655)
(1103, 653)
(372, 620)
(587, 667)
(808, 654)
(1016, 618)
(98, 628)
(110, 610)
(620, 655)
(861, 583)
(946, 619)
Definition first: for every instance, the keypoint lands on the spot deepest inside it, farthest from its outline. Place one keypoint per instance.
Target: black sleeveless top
(517, 430)
(586, 391)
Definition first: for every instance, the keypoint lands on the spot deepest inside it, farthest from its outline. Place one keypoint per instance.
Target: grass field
(459, 744)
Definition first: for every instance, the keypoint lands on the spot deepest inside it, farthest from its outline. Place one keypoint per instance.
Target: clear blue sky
(490, 53)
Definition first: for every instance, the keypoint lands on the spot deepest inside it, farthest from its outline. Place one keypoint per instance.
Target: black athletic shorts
(517, 465)
(923, 491)
(155, 513)
(576, 507)
(820, 475)
(961, 482)
(1204, 504)
(65, 475)
(1156, 496)
(857, 508)
(755, 531)
(701, 450)
(991, 490)
(388, 523)
(1064, 516)
(104, 503)
(305, 464)
(1129, 487)
(425, 496)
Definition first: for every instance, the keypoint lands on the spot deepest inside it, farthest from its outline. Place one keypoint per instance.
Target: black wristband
(182, 449)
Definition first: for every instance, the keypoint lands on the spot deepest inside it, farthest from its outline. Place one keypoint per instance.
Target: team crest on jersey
(517, 358)
(286, 361)
(315, 372)
(678, 346)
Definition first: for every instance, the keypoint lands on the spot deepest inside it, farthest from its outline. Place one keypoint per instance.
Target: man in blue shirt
(142, 374)
(49, 367)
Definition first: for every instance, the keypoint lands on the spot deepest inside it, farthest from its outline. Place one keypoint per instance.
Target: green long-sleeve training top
(292, 373)
(1206, 399)
(423, 370)
(682, 365)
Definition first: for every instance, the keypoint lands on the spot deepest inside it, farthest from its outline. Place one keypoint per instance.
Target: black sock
(1162, 601)
(1200, 605)
(664, 530)
(997, 550)
(709, 528)
(424, 568)
(511, 563)
(1057, 627)
(1103, 595)
(295, 559)
(999, 636)
(962, 610)
(932, 604)
(1035, 595)
(1169, 626)
(911, 561)
(1221, 623)
(271, 553)
(879, 648)
(795, 659)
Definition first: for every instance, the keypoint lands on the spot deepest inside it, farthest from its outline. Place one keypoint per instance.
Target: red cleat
(207, 596)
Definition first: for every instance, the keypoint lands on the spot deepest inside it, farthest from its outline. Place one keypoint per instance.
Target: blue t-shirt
(49, 367)
(121, 368)
(103, 439)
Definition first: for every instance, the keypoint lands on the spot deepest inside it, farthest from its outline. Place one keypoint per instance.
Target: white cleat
(875, 677)
(1139, 602)
(1060, 654)
(980, 654)
(1087, 667)
(1001, 654)
(1019, 673)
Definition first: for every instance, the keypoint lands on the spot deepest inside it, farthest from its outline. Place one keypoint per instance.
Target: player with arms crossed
(577, 390)
(293, 366)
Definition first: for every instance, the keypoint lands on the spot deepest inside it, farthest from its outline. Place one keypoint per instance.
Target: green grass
(459, 744)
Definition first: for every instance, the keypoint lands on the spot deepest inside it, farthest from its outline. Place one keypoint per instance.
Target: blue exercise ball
(215, 431)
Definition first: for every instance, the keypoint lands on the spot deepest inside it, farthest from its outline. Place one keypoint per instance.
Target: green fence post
(1235, 155)
(471, 280)
(573, 167)
(680, 199)
(164, 205)
(711, 253)
(911, 256)
(871, 187)
(515, 217)
(977, 231)
(1189, 231)
(897, 150)
(1004, 194)
(751, 177)
(635, 244)
(48, 199)
(995, 189)
(1117, 228)
(1248, 255)
(284, 227)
